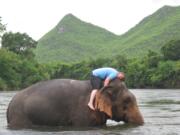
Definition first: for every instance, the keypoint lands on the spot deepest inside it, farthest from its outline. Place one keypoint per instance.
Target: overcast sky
(36, 17)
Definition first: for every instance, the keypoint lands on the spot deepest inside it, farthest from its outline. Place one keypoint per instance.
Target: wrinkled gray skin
(63, 102)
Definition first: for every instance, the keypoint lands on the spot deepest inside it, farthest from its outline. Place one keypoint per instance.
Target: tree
(166, 75)
(19, 43)
(2, 27)
(136, 74)
(16, 72)
(171, 50)
(9, 70)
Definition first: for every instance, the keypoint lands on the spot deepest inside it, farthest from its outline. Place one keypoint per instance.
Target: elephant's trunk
(134, 116)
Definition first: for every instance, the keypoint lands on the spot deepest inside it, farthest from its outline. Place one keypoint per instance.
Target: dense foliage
(82, 70)
(18, 68)
(171, 50)
(153, 71)
(73, 40)
(19, 43)
(18, 72)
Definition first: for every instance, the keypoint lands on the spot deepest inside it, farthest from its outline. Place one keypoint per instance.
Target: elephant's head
(118, 103)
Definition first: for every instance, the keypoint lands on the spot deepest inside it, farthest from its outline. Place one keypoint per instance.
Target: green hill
(74, 40)
(152, 32)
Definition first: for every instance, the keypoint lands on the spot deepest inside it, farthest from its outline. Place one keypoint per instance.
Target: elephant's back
(57, 89)
(49, 100)
(60, 86)
(64, 91)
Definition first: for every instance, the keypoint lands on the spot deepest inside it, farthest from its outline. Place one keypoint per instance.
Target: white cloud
(36, 17)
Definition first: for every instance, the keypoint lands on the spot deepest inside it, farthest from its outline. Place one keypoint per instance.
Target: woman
(101, 77)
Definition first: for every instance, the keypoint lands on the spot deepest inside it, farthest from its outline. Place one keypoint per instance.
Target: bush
(171, 50)
(3, 85)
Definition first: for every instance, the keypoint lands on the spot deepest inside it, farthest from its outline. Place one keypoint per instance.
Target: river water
(160, 108)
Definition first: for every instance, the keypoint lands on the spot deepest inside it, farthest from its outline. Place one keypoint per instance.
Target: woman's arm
(106, 82)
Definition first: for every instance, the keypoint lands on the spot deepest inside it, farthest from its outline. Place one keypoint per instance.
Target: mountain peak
(69, 17)
(67, 23)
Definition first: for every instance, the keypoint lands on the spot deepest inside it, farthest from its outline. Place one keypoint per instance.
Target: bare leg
(93, 94)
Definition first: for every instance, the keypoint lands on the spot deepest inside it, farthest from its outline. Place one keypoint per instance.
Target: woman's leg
(92, 96)
(96, 83)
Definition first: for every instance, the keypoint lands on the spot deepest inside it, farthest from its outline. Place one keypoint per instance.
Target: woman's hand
(106, 82)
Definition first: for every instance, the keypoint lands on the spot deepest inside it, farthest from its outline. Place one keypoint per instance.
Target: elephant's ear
(103, 103)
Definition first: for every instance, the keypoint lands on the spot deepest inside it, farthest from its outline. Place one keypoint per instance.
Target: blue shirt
(104, 73)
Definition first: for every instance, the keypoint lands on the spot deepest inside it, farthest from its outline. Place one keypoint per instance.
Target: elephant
(63, 102)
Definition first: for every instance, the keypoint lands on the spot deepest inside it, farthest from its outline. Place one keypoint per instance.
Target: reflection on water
(160, 108)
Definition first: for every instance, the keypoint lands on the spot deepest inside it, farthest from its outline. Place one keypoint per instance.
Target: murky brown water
(160, 108)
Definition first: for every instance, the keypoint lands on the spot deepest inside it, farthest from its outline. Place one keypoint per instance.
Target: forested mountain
(152, 32)
(74, 40)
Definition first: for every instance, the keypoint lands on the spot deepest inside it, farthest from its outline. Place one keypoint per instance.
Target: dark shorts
(96, 82)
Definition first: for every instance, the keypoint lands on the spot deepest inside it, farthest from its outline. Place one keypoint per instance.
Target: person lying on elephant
(101, 77)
